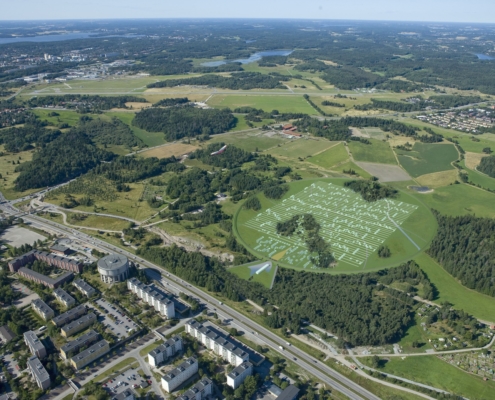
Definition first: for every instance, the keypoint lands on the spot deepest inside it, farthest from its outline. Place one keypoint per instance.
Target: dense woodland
(27, 137)
(465, 247)
(187, 121)
(108, 132)
(238, 81)
(487, 166)
(371, 190)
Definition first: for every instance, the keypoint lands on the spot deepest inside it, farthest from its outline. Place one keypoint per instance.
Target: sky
(396, 10)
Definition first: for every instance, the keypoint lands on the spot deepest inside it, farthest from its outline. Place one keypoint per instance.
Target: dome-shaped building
(113, 268)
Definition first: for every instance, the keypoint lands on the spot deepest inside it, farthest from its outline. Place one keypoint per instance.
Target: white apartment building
(165, 351)
(153, 296)
(199, 391)
(216, 342)
(236, 377)
(179, 375)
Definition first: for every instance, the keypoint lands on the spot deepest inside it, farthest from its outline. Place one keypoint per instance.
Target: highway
(322, 372)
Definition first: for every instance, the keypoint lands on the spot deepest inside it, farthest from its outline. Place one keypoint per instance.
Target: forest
(371, 190)
(465, 247)
(238, 81)
(487, 166)
(169, 102)
(27, 137)
(232, 157)
(186, 121)
(108, 133)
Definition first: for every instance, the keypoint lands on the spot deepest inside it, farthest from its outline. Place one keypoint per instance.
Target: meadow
(377, 152)
(301, 148)
(334, 155)
(8, 163)
(283, 103)
(266, 278)
(250, 141)
(427, 158)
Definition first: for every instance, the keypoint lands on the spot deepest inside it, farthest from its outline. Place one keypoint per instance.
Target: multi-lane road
(322, 372)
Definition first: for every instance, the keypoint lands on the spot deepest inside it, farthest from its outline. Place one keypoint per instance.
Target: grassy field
(249, 141)
(377, 152)
(357, 169)
(301, 148)
(8, 164)
(68, 117)
(438, 179)
(333, 156)
(265, 278)
(354, 250)
(479, 178)
(150, 139)
(427, 158)
(416, 334)
(172, 149)
(432, 371)
(461, 200)
(449, 289)
(282, 103)
(98, 222)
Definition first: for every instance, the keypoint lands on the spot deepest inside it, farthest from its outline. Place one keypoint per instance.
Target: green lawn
(282, 103)
(265, 278)
(461, 200)
(427, 158)
(333, 156)
(434, 372)
(377, 152)
(144, 352)
(449, 289)
(150, 139)
(301, 148)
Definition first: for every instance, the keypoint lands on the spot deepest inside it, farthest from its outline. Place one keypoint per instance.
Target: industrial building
(216, 342)
(84, 287)
(70, 315)
(90, 354)
(39, 372)
(153, 296)
(42, 309)
(65, 298)
(34, 343)
(165, 351)
(41, 279)
(51, 259)
(113, 268)
(179, 375)
(199, 391)
(236, 377)
(78, 325)
(73, 347)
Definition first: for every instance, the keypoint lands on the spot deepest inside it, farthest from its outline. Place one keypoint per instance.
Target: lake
(484, 57)
(58, 38)
(253, 58)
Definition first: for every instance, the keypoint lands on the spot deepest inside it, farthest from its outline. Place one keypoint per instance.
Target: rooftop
(33, 340)
(42, 306)
(240, 369)
(289, 393)
(38, 369)
(62, 294)
(44, 278)
(163, 347)
(79, 321)
(90, 350)
(181, 368)
(80, 341)
(198, 387)
(112, 261)
(69, 314)
(83, 285)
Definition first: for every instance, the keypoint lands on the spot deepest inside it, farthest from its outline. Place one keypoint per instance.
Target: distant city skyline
(476, 11)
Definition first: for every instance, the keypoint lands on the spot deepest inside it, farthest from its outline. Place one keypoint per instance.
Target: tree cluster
(371, 190)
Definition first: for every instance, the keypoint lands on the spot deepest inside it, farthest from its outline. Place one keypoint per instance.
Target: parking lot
(129, 379)
(122, 326)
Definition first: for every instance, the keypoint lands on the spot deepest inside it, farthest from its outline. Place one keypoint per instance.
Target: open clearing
(438, 179)
(169, 150)
(353, 227)
(432, 371)
(473, 159)
(17, 236)
(283, 103)
(376, 152)
(426, 158)
(301, 148)
(384, 172)
(250, 141)
(333, 156)
(263, 272)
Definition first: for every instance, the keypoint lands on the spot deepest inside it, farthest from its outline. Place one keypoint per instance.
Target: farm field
(150, 139)
(301, 148)
(449, 289)
(283, 103)
(461, 200)
(262, 272)
(427, 158)
(438, 179)
(172, 149)
(376, 152)
(331, 157)
(354, 228)
(432, 371)
(356, 168)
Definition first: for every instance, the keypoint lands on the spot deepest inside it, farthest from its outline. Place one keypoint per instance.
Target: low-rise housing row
(213, 340)
(84, 287)
(65, 298)
(78, 325)
(73, 347)
(90, 354)
(43, 309)
(70, 315)
(51, 259)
